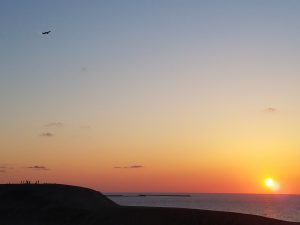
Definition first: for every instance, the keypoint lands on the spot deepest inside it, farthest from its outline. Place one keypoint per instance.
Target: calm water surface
(284, 207)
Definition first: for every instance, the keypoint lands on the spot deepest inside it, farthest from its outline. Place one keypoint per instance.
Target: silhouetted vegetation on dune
(53, 204)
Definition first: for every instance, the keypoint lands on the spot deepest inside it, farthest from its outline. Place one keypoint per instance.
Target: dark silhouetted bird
(47, 32)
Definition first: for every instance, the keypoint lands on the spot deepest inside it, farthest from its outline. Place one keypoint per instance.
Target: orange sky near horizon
(183, 159)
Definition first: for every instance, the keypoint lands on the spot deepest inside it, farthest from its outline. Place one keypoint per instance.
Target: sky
(151, 96)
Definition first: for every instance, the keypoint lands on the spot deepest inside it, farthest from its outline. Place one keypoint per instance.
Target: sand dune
(53, 204)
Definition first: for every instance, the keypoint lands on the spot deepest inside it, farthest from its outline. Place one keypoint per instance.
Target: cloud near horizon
(55, 124)
(38, 167)
(47, 134)
(6, 166)
(271, 110)
(2, 171)
(129, 167)
(3, 167)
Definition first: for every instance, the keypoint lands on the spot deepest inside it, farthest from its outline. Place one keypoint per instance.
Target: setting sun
(271, 184)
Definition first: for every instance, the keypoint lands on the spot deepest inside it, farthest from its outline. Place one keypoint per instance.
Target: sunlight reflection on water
(284, 207)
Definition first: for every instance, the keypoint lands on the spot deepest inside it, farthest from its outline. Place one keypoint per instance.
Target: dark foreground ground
(52, 204)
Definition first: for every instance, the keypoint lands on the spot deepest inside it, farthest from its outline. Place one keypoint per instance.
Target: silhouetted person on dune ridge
(29, 182)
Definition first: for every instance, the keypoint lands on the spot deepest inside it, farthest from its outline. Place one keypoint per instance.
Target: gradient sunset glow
(151, 96)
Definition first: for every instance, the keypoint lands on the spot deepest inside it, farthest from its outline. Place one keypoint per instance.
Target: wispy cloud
(38, 167)
(2, 171)
(85, 127)
(129, 167)
(136, 167)
(47, 134)
(271, 110)
(55, 124)
(6, 167)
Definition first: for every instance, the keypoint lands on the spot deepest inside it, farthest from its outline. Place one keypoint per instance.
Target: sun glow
(272, 185)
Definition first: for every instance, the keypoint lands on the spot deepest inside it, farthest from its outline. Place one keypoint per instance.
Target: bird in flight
(46, 32)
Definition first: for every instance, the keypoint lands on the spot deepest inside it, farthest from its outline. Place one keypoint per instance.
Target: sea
(283, 207)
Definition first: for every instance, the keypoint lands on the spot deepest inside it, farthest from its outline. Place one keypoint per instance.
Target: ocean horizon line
(196, 193)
